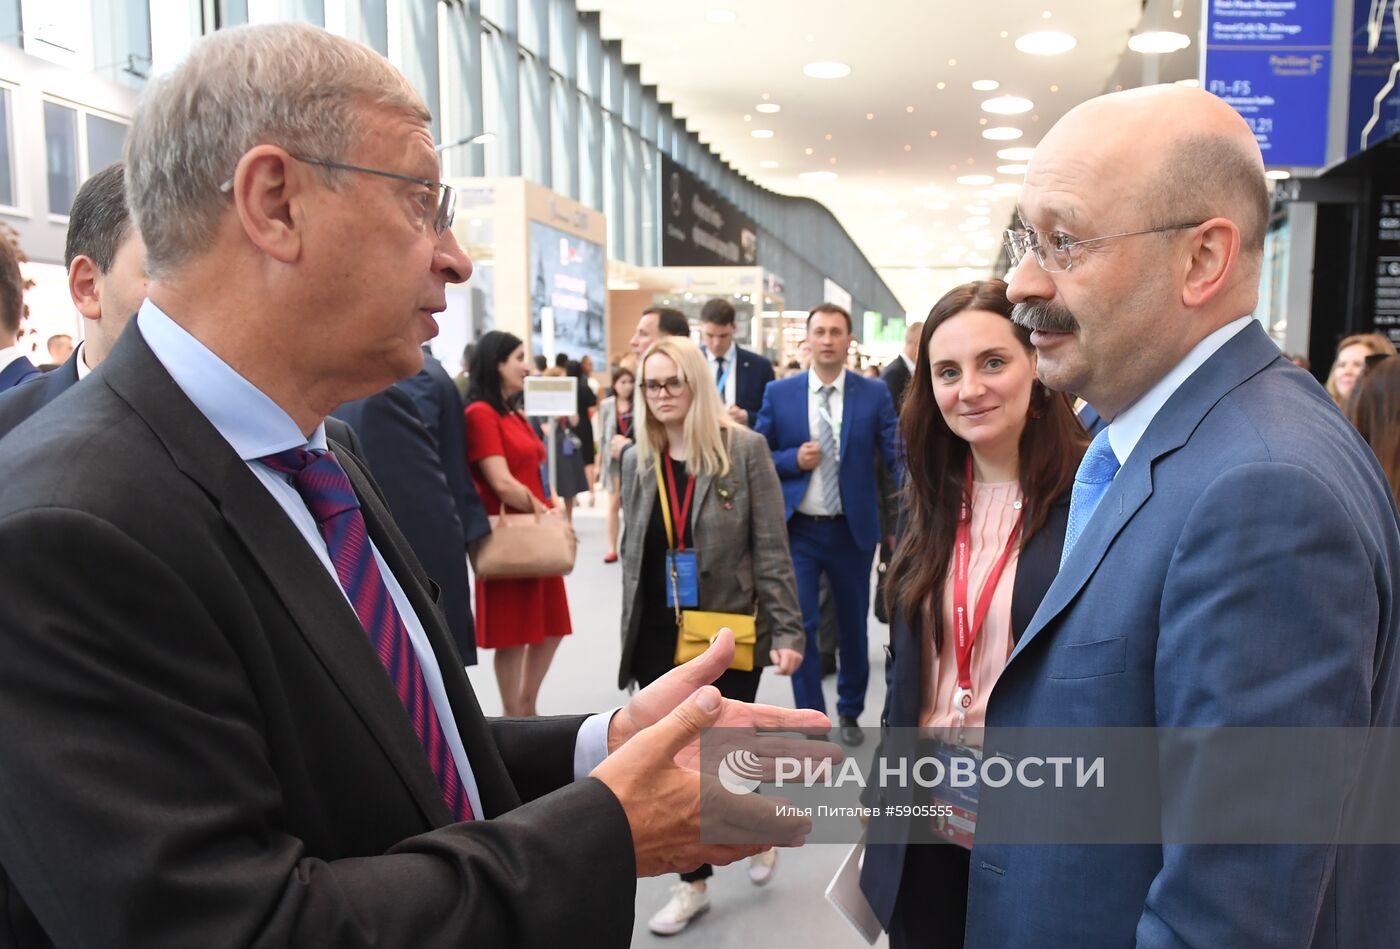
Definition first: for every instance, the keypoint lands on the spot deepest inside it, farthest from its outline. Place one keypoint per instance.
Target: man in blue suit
(106, 263)
(741, 375)
(15, 367)
(826, 428)
(1232, 556)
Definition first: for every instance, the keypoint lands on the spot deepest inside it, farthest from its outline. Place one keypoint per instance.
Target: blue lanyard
(723, 380)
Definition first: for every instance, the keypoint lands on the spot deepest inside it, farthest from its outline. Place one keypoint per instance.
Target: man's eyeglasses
(673, 387)
(445, 197)
(1054, 250)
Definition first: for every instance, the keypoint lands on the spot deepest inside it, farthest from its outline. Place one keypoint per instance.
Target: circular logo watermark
(740, 772)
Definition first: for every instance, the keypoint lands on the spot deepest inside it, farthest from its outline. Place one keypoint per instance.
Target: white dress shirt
(255, 426)
(1127, 429)
(726, 394)
(812, 502)
(82, 365)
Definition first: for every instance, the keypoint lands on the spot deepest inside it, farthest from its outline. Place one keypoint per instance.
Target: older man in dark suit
(106, 263)
(253, 727)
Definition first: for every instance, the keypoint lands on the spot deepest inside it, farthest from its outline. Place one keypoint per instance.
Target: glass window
(61, 155)
(104, 142)
(7, 170)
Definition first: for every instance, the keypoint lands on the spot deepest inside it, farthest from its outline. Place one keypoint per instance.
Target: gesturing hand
(809, 455)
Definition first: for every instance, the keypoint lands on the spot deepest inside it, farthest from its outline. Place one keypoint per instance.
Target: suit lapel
(1244, 355)
(848, 401)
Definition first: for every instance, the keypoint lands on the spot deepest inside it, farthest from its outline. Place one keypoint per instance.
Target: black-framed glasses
(673, 387)
(446, 197)
(1054, 250)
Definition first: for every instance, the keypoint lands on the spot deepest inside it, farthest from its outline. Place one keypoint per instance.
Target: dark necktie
(719, 374)
(325, 488)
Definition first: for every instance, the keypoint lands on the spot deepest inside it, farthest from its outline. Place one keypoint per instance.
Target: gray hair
(287, 84)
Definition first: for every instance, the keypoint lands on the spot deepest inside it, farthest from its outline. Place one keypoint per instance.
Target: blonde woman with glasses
(700, 495)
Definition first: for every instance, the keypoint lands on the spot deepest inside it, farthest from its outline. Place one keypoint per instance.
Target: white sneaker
(762, 865)
(685, 904)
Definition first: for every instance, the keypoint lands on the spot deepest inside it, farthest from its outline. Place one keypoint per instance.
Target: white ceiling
(890, 168)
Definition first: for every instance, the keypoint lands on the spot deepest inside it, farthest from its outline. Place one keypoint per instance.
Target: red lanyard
(966, 637)
(679, 511)
(624, 422)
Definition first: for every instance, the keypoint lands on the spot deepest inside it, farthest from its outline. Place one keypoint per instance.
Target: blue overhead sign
(1271, 60)
(1374, 104)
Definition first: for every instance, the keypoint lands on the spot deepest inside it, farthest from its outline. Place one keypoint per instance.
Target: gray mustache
(1046, 316)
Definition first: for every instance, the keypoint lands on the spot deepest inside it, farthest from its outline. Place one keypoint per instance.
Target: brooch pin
(727, 496)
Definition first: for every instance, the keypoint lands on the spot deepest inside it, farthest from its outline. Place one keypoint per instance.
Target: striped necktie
(830, 463)
(325, 488)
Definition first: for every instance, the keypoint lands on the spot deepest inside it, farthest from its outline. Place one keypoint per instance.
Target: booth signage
(551, 395)
(1271, 61)
(1374, 96)
(1385, 268)
(699, 228)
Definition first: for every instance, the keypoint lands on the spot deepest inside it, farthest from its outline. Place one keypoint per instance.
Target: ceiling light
(1016, 153)
(806, 151)
(1007, 187)
(762, 133)
(1277, 174)
(975, 179)
(986, 85)
(1011, 169)
(1046, 43)
(942, 85)
(1001, 133)
(870, 116)
(768, 164)
(1007, 105)
(1158, 41)
(768, 107)
(722, 16)
(818, 176)
(826, 70)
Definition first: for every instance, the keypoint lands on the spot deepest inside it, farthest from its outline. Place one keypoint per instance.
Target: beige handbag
(526, 545)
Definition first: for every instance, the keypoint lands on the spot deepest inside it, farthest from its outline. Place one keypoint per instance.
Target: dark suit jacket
(19, 403)
(210, 751)
(19, 371)
(1242, 570)
(869, 427)
(896, 376)
(1036, 567)
(440, 406)
(754, 374)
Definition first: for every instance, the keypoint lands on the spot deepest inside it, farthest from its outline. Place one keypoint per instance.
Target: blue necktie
(1091, 482)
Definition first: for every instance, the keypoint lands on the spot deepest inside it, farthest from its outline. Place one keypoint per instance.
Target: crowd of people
(248, 721)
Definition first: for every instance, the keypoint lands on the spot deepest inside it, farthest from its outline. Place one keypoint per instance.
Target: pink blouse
(994, 511)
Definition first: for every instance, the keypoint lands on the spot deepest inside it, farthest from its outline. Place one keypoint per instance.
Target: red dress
(512, 612)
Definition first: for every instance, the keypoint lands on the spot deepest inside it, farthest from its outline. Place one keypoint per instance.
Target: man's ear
(83, 278)
(268, 186)
(1211, 266)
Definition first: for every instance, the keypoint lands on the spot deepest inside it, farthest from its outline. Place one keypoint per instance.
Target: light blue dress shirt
(255, 426)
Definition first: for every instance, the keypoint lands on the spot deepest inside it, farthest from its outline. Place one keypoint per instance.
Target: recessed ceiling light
(826, 70)
(942, 85)
(952, 62)
(975, 179)
(768, 164)
(933, 133)
(1007, 105)
(827, 136)
(1011, 169)
(768, 107)
(1045, 14)
(1277, 174)
(762, 133)
(870, 116)
(986, 85)
(908, 108)
(1158, 41)
(722, 16)
(1046, 43)
(1002, 133)
(806, 151)
(1016, 153)
(1007, 187)
(908, 148)
(748, 118)
(818, 176)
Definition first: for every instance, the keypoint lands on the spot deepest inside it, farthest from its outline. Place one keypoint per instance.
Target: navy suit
(20, 402)
(439, 405)
(21, 370)
(1242, 569)
(754, 374)
(922, 885)
(403, 457)
(841, 548)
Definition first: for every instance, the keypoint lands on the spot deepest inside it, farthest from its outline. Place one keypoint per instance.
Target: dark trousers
(824, 547)
(931, 909)
(733, 684)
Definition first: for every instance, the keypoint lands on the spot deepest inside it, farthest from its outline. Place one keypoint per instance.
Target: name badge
(683, 567)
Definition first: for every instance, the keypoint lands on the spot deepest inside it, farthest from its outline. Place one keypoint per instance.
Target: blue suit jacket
(755, 372)
(22, 401)
(403, 457)
(869, 428)
(440, 407)
(21, 370)
(1243, 570)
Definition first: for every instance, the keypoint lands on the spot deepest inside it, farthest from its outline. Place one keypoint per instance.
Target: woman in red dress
(523, 620)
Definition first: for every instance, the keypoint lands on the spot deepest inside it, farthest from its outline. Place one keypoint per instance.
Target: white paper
(844, 893)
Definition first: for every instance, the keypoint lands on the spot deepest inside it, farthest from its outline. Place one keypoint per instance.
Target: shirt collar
(9, 354)
(909, 363)
(1128, 428)
(815, 384)
(728, 357)
(241, 412)
(81, 363)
